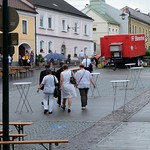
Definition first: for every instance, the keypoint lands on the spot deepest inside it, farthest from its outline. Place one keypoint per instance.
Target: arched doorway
(63, 49)
(23, 48)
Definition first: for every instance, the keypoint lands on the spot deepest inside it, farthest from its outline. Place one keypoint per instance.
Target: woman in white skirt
(67, 89)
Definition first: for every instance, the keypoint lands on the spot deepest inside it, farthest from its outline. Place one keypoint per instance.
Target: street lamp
(123, 15)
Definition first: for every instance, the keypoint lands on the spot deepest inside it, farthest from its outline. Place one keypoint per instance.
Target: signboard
(12, 39)
(13, 19)
(11, 50)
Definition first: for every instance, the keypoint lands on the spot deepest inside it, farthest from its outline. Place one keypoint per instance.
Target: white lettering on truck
(137, 38)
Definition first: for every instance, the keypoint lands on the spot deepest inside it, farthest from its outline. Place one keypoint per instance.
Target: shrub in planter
(39, 59)
(147, 53)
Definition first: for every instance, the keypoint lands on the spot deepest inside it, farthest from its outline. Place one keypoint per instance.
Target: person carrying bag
(83, 79)
(49, 82)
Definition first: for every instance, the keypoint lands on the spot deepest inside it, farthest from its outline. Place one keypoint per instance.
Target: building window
(94, 29)
(135, 30)
(50, 47)
(63, 25)
(86, 30)
(85, 50)
(24, 26)
(139, 29)
(50, 23)
(75, 51)
(132, 28)
(76, 28)
(41, 21)
(41, 46)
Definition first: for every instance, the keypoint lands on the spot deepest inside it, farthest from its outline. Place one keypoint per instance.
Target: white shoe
(83, 108)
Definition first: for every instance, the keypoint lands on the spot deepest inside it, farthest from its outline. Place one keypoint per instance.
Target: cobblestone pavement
(106, 125)
(83, 129)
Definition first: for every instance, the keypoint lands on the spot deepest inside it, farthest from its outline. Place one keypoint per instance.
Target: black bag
(90, 67)
(72, 79)
(56, 90)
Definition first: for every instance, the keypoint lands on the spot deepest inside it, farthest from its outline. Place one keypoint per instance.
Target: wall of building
(58, 37)
(115, 14)
(139, 27)
(28, 38)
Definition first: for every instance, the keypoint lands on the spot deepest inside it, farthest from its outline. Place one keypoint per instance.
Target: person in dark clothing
(58, 72)
(96, 58)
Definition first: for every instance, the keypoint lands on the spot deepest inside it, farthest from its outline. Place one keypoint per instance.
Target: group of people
(67, 90)
(27, 59)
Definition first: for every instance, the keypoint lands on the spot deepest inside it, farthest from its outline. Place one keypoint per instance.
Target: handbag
(56, 90)
(72, 79)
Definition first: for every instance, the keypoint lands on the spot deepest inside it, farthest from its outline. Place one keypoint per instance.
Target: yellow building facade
(140, 27)
(26, 35)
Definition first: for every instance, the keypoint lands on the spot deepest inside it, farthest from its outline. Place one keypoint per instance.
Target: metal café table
(23, 89)
(95, 76)
(130, 65)
(115, 85)
(136, 76)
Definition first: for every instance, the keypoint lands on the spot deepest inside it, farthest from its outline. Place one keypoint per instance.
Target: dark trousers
(96, 62)
(59, 98)
(84, 96)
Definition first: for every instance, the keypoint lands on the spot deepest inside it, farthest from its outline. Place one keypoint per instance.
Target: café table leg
(21, 91)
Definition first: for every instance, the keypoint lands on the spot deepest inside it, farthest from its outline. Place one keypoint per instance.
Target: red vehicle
(123, 48)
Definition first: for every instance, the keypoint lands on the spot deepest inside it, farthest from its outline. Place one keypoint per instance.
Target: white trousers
(48, 102)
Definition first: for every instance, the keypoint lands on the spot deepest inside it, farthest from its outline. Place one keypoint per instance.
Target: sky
(142, 5)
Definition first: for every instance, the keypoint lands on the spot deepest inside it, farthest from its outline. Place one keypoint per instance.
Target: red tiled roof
(19, 5)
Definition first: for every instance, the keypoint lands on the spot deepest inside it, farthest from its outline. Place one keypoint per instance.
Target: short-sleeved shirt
(81, 54)
(49, 83)
(86, 78)
(86, 62)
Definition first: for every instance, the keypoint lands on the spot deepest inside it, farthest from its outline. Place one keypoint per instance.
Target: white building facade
(62, 28)
(103, 23)
(63, 33)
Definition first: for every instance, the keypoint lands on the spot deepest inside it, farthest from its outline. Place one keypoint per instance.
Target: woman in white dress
(67, 89)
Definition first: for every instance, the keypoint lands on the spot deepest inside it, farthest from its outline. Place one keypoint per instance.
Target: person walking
(10, 60)
(81, 55)
(58, 72)
(87, 64)
(67, 89)
(31, 58)
(96, 58)
(83, 80)
(49, 85)
(43, 73)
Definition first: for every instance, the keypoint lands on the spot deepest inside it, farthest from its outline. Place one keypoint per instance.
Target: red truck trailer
(123, 48)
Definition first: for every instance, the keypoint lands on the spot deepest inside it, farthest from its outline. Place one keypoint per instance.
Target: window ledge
(42, 28)
(76, 33)
(50, 29)
(64, 31)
